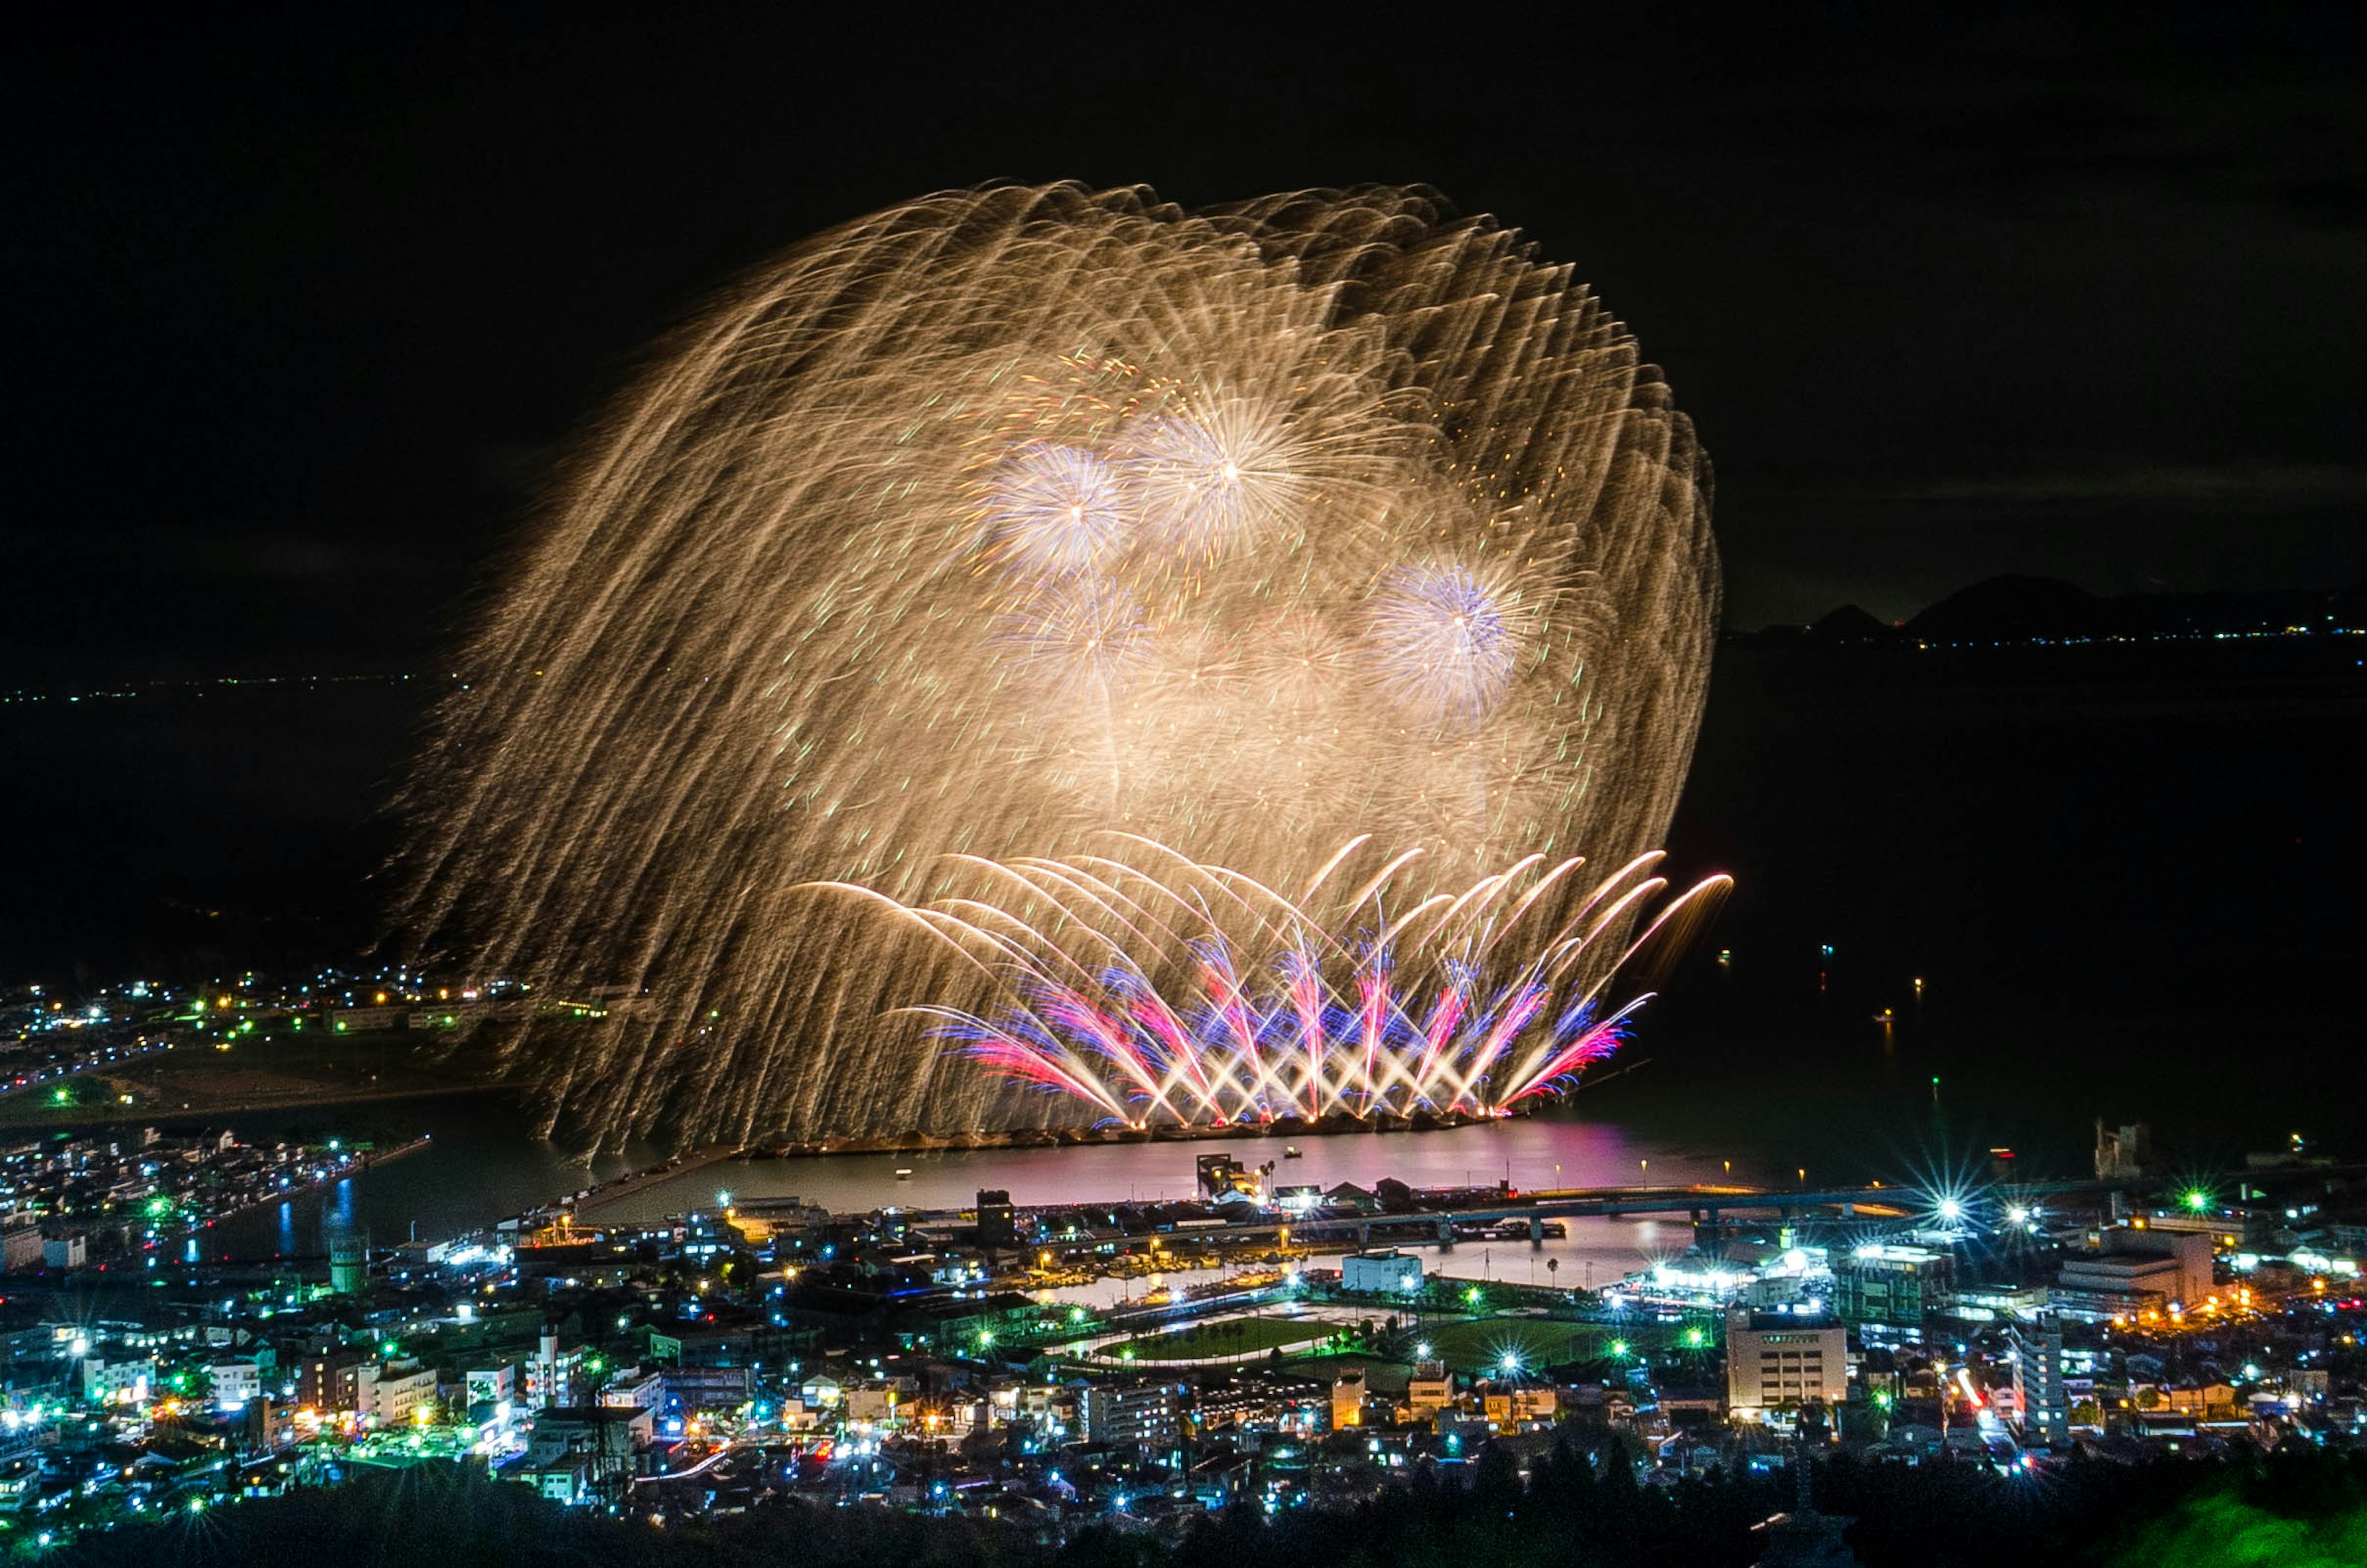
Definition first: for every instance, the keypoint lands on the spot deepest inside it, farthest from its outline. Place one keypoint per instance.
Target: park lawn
(1235, 1337)
(1480, 1344)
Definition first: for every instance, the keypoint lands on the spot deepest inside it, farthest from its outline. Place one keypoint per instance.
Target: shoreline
(1335, 1125)
(362, 1163)
(244, 1105)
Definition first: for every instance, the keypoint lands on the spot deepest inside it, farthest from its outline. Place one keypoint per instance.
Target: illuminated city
(859, 789)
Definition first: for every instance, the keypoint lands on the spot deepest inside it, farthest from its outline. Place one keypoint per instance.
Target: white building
(636, 1391)
(1381, 1272)
(1783, 1360)
(237, 1384)
(392, 1394)
(492, 1386)
(2038, 1390)
(1140, 1415)
(2129, 1261)
(114, 1382)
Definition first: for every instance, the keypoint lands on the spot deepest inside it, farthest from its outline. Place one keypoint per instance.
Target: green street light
(2198, 1199)
(1618, 1348)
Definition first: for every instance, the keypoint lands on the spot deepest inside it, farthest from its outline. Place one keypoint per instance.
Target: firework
(1007, 519)
(1127, 992)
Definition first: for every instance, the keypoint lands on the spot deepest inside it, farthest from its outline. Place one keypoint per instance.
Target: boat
(1290, 1151)
(903, 1173)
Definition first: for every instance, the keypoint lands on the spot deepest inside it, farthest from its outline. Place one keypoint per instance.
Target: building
(1381, 1272)
(2122, 1153)
(1510, 1407)
(1892, 1286)
(2131, 1263)
(491, 1385)
(265, 1426)
(20, 1245)
(392, 1394)
(348, 1265)
(2038, 1390)
(876, 1404)
(117, 1382)
(1780, 1362)
(236, 1384)
(998, 1226)
(1348, 1399)
(66, 1252)
(1264, 1403)
(1222, 1174)
(327, 1381)
(1146, 1415)
(1430, 1390)
(641, 1390)
(576, 1450)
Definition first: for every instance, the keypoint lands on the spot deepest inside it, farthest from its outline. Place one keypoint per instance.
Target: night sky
(301, 316)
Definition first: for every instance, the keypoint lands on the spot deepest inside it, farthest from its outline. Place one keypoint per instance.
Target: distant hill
(2013, 610)
(1849, 625)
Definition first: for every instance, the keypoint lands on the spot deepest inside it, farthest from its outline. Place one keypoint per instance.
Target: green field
(1235, 1337)
(1481, 1344)
(272, 1069)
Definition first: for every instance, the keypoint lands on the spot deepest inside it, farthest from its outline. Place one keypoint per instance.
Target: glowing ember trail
(1034, 522)
(1330, 1031)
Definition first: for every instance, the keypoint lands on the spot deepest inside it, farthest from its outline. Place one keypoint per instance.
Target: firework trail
(1102, 1004)
(1005, 519)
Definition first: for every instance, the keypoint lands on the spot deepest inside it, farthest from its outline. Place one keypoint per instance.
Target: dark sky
(301, 313)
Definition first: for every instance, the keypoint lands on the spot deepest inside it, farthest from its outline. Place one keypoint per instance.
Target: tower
(349, 1264)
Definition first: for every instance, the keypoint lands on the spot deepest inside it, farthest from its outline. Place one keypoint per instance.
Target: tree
(1496, 1482)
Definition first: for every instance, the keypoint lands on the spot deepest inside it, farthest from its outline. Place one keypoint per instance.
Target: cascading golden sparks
(1005, 519)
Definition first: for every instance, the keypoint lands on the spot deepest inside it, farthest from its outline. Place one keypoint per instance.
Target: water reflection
(478, 1168)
